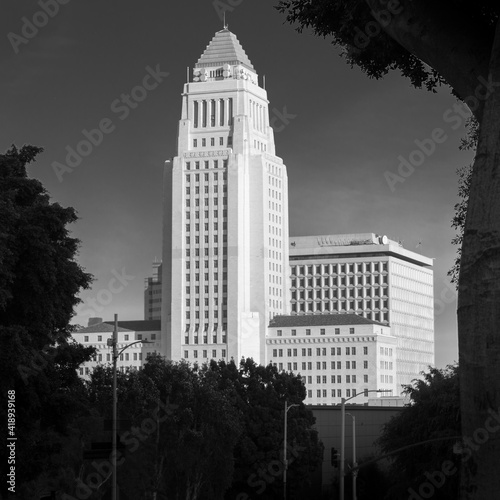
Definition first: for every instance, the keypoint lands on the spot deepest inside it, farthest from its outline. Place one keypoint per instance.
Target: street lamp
(354, 464)
(285, 461)
(116, 354)
(342, 435)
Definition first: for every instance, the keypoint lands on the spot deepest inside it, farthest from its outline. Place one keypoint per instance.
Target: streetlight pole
(342, 436)
(115, 398)
(285, 461)
(114, 343)
(354, 464)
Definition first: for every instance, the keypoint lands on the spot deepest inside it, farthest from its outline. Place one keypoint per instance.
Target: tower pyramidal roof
(224, 48)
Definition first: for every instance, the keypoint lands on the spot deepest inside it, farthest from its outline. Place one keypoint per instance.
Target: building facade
(225, 246)
(152, 294)
(338, 355)
(373, 277)
(97, 333)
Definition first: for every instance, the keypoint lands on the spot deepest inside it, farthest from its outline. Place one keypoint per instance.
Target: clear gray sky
(71, 70)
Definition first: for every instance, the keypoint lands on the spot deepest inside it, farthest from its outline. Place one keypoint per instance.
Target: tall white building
(374, 277)
(225, 235)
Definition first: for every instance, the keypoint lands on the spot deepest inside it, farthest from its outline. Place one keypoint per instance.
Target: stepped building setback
(225, 246)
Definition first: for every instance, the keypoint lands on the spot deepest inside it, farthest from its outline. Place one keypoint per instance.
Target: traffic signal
(335, 458)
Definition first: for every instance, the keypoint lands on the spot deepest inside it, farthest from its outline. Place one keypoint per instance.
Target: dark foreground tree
(260, 392)
(457, 43)
(39, 282)
(425, 434)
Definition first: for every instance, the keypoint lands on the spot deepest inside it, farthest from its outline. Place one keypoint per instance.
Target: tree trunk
(479, 308)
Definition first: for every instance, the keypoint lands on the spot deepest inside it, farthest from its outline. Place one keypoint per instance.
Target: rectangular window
(351, 330)
(308, 331)
(322, 331)
(365, 364)
(365, 350)
(337, 331)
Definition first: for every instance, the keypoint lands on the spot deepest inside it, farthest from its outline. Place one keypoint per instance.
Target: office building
(374, 277)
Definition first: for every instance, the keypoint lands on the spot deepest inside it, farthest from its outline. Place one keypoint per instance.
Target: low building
(98, 332)
(338, 355)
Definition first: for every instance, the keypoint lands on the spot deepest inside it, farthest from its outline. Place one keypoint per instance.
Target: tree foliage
(210, 431)
(39, 283)
(433, 413)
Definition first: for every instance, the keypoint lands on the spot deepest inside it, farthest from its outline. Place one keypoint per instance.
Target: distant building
(338, 355)
(152, 294)
(225, 247)
(97, 335)
(373, 277)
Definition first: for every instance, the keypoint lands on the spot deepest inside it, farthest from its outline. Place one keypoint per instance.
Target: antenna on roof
(225, 25)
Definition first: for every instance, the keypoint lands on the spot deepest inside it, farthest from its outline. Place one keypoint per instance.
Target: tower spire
(225, 25)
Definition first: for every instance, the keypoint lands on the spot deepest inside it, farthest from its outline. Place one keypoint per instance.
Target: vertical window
(196, 111)
(212, 113)
(204, 115)
(221, 111)
(230, 110)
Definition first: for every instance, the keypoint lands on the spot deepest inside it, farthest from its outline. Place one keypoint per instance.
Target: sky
(362, 155)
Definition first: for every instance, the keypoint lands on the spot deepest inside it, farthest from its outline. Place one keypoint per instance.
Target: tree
(259, 392)
(183, 430)
(458, 44)
(420, 434)
(464, 178)
(39, 282)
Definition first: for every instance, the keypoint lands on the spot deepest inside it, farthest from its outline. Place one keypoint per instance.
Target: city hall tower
(225, 230)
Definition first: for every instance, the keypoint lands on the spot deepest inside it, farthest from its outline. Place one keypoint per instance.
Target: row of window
(211, 111)
(274, 218)
(216, 302)
(323, 379)
(206, 289)
(274, 181)
(206, 262)
(333, 281)
(320, 365)
(206, 239)
(273, 169)
(206, 214)
(206, 189)
(345, 306)
(204, 354)
(204, 339)
(212, 142)
(215, 252)
(320, 351)
(335, 393)
(322, 331)
(206, 202)
(386, 365)
(354, 267)
(206, 314)
(206, 226)
(206, 175)
(206, 276)
(126, 337)
(385, 351)
(360, 294)
(206, 164)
